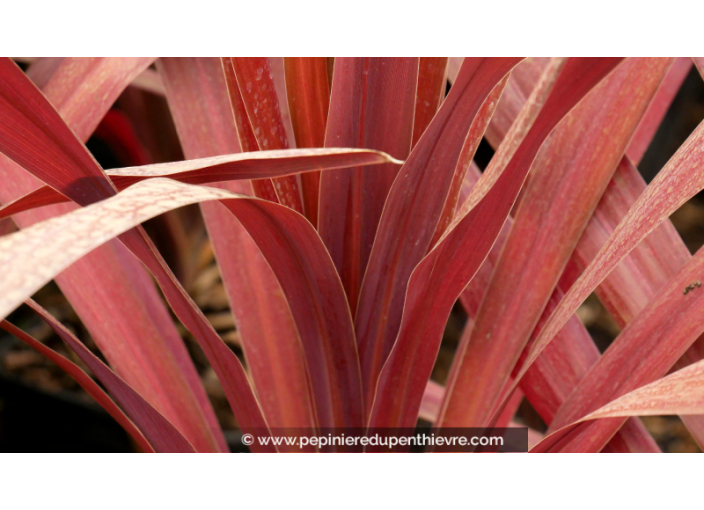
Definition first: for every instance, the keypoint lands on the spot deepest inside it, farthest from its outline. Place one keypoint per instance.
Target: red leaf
(679, 393)
(263, 188)
(269, 337)
(627, 290)
(258, 92)
(568, 177)
(634, 281)
(36, 133)
(308, 95)
(412, 212)
(676, 182)
(466, 158)
(563, 364)
(159, 431)
(288, 242)
(648, 347)
(432, 72)
(456, 258)
(521, 83)
(371, 106)
(252, 165)
(139, 331)
(658, 108)
(84, 380)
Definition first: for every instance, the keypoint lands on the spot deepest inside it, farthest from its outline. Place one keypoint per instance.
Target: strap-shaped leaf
(432, 77)
(263, 188)
(568, 178)
(412, 212)
(85, 381)
(308, 93)
(658, 108)
(251, 165)
(160, 432)
(270, 340)
(33, 134)
(681, 392)
(679, 180)
(288, 242)
(138, 337)
(371, 106)
(261, 102)
(563, 364)
(458, 255)
(649, 346)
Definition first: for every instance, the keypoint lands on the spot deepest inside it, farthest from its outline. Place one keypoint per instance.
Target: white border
(352, 481)
(368, 27)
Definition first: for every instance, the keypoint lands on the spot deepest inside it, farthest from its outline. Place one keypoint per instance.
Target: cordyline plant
(343, 257)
